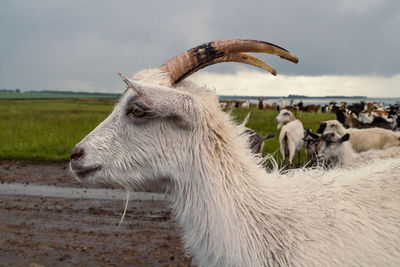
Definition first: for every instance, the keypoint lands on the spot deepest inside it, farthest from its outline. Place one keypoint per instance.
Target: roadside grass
(55, 95)
(47, 130)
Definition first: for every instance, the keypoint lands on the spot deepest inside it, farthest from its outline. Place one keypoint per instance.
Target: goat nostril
(77, 153)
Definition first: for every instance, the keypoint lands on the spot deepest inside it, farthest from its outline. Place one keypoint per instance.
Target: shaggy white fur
(231, 212)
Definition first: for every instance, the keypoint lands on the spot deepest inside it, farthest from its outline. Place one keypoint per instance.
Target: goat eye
(138, 112)
(329, 142)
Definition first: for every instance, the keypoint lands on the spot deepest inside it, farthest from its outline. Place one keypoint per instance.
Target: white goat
(281, 104)
(362, 139)
(232, 212)
(338, 151)
(366, 117)
(291, 136)
(245, 104)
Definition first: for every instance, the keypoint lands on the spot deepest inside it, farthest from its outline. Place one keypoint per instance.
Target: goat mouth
(83, 172)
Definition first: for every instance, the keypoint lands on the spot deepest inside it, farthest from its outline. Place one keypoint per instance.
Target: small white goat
(338, 151)
(362, 139)
(281, 104)
(291, 136)
(245, 104)
(366, 117)
(231, 211)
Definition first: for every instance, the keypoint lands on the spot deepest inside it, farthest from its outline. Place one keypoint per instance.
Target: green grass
(47, 130)
(51, 95)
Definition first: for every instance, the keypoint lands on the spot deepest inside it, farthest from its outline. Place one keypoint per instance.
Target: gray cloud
(80, 45)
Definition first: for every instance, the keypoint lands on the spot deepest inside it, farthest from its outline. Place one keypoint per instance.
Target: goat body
(310, 144)
(379, 122)
(260, 103)
(334, 148)
(356, 108)
(256, 140)
(231, 212)
(310, 108)
(291, 135)
(363, 139)
(291, 140)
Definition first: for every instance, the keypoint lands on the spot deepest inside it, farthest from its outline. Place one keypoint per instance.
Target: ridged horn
(126, 80)
(228, 50)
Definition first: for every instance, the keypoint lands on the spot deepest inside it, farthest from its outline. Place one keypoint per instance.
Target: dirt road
(54, 231)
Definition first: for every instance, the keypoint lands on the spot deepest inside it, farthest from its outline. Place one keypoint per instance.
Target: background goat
(351, 120)
(260, 103)
(256, 140)
(310, 144)
(335, 148)
(290, 137)
(362, 139)
(232, 212)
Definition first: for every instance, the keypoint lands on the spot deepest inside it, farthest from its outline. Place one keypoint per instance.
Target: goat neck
(233, 196)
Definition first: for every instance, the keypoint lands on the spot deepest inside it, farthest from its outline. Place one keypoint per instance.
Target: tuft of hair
(127, 197)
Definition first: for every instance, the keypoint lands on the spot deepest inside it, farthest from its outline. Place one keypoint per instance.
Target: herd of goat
(230, 211)
(366, 126)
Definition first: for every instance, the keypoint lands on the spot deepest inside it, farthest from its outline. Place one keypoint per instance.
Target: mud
(81, 231)
(48, 174)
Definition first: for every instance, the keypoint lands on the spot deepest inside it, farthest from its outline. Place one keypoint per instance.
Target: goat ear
(269, 136)
(313, 135)
(345, 137)
(321, 128)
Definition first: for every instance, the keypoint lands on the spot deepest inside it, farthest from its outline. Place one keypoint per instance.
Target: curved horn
(229, 50)
(126, 80)
(238, 57)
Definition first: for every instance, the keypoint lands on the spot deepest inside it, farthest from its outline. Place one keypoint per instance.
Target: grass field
(54, 95)
(47, 130)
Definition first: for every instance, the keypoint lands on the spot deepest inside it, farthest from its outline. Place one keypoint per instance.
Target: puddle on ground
(70, 192)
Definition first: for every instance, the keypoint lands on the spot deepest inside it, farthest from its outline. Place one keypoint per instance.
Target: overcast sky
(345, 47)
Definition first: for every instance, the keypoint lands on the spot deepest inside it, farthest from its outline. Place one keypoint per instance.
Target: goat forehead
(128, 95)
(330, 136)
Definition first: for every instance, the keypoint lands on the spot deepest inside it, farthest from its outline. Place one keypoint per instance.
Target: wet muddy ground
(47, 174)
(55, 231)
